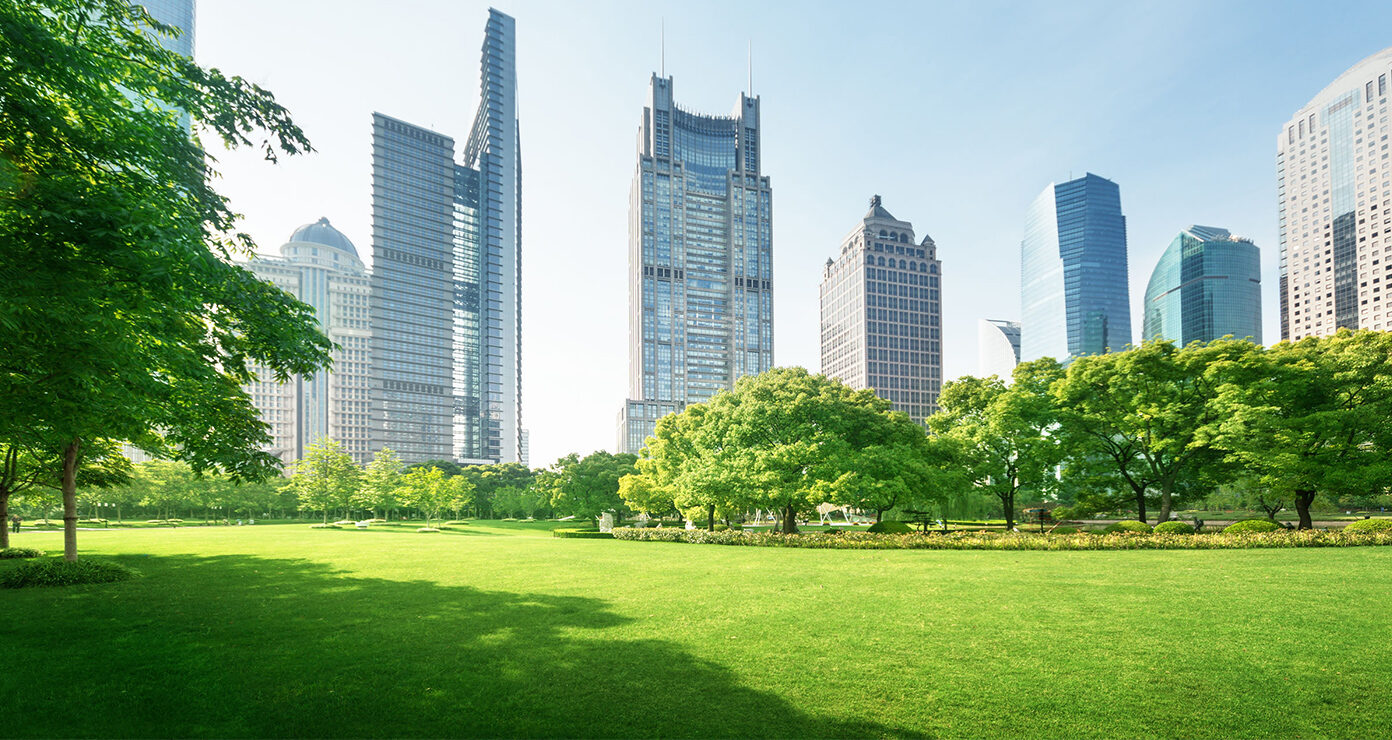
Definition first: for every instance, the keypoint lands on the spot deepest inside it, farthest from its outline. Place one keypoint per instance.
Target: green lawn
(501, 630)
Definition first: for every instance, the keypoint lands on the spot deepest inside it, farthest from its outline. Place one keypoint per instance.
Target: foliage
(1252, 525)
(326, 477)
(10, 553)
(889, 526)
(591, 534)
(1370, 525)
(426, 489)
(1128, 525)
(1012, 540)
(1173, 527)
(55, 572)
(589, 486)
(381, 482)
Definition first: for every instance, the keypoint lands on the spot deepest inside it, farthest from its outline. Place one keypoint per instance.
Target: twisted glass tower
(700, 259)
(1073, 289)
(1206, 285)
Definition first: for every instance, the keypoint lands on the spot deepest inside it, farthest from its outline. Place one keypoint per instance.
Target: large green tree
(326, 477)
(122, 316)
(589, 486)
(1142, 411)
(1311, 417)
(1003, 434)
(381, 482)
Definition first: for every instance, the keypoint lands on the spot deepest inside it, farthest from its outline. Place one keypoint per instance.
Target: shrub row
(1370, 525)
(586, 534)
(10, 553)
(1013, 541)
(56, 572)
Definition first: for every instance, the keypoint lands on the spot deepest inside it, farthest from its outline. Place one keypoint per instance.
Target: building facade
(1206, 285)
(320, 267)
(1073, 272)
(182, 14)
(1335, 194)
(700, 259)
(881, 313)
(997, 348)
(446, 246)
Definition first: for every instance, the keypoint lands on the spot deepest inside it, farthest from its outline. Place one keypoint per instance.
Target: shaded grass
(283, 631)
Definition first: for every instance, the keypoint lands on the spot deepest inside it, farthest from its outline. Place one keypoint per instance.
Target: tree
(487, 479)
(458, 493)
(425, 489)
(381, 482)
(1003, 434)
(326, 477)
(24, 468)
(1310, 417)
(1144, 410)
(122, 316)
(589, 486)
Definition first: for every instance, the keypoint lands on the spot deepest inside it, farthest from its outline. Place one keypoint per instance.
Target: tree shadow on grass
(242, 646)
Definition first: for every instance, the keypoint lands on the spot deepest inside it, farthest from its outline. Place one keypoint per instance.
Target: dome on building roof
(322, 232)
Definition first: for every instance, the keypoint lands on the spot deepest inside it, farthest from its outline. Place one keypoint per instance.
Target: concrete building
(1206, 285)
(997, 348)
(1335, 195)
(700, 259)
(1073, 272)
(447, 247)
(881, 313)
(320, 266)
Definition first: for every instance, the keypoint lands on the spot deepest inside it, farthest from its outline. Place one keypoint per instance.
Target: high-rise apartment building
(997, 348)
(700, 259)
(320, 266)
(446, 285)
(1206, 285)
(1073, 281)
(881, 312)
(1335, 194)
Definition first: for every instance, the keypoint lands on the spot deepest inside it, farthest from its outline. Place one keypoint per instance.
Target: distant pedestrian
(14, 523)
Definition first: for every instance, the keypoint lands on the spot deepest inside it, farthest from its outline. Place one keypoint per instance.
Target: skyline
(973, 132)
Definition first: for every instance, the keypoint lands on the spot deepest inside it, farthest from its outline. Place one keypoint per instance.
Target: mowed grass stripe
(505, 631)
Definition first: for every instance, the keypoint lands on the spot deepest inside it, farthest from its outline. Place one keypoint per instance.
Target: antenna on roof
(662, 63)
(751, 67)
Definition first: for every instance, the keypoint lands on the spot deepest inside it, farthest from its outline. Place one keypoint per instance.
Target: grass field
(500, 630)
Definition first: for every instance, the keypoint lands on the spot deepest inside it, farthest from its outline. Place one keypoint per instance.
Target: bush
(889, 526)
(1064, 530)
(584, 534)
(428, 529)
(324, 526)
(1370, 525)
(457, 523)
(1128, 525)
(10, 553)
(1174, 528)
(346, 522)
(1252, 525)
(56, 572)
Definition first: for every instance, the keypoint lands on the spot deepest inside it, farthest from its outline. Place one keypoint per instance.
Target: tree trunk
(710, 518)
(5, 519)
(878, 515)
(70, 457)
(1140, 505)
(1008, 504)
(1303, 499)
(789, 520)
(1164, 502)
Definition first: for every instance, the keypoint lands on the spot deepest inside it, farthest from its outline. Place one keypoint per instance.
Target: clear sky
(958, 114)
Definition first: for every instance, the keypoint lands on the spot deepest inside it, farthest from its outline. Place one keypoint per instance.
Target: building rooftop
(322, 232)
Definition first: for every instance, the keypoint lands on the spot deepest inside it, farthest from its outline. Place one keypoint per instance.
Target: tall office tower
(700, 260)
(997, 348)
(882, 313)
(178, 13)
(446, 280)
(1206, 285)
(320, 266)
(1335, 194)
(1073, 289)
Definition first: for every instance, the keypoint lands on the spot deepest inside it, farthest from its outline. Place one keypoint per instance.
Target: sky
(957, 113)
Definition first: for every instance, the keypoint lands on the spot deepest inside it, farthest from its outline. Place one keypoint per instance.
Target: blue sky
(958, 114)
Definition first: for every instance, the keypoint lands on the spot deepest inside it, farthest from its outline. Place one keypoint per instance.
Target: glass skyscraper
(1335, 195)
(446, 280)
(1206, 285)
(178, 13)
(700, 259)
(997, 348)
(881, 313)
(1073, 281)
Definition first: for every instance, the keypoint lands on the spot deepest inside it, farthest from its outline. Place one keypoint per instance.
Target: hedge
(11, 553)
(890, 526)
(1370, 525)
(1252, 525)
(57, 572)
(584, 534)
(1174, 528)
(1128, 525)
(1012, 541)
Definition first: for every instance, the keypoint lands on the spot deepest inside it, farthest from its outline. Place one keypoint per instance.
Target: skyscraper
(882, 313)
(446, 287)
(700, 259)
(320, 266)
(1073, 289)
(1206, 285)
(997, 347)
(178, 13)
(1335, 194)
